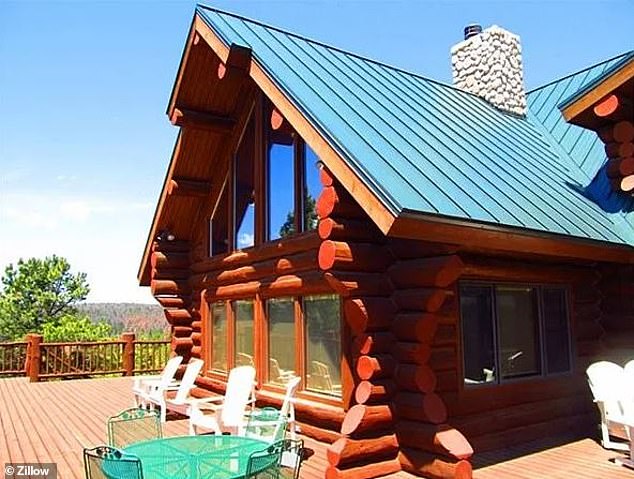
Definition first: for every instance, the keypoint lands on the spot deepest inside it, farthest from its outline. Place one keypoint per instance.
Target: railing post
(34, 357)
(128, 353)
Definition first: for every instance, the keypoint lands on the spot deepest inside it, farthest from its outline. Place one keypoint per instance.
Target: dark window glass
(322, 316)
(244, 192)
(281, 191)
(477, 334)
(281, 320)
(518, 331)
(556, 330)
(219, 337)
(243, 313)
(312, 189)
(219, 226)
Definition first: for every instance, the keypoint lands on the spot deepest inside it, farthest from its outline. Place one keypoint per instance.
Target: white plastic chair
(182, 400)
(608, 384)
(144, 384)
(229, 412)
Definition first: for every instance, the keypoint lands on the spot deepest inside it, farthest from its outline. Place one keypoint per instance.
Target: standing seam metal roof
(423, 146)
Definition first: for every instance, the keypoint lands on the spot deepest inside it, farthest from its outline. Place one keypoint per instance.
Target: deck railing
(40, 361)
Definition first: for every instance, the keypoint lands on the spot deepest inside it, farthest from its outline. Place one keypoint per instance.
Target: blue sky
(84, 140)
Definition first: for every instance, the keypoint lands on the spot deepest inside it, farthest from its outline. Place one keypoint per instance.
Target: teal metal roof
(423, 146)
(614, 66)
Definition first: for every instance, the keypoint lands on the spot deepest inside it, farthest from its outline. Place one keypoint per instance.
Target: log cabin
(438, 263)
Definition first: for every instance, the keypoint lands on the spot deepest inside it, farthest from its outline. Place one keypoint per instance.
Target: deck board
(53, 421)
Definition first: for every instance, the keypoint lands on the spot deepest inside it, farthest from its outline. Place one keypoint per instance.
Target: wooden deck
(51, 422)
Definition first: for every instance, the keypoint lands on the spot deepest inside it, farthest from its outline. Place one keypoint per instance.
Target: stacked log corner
(618, 137)
(169, 283)
(355, 259)
(426, 334)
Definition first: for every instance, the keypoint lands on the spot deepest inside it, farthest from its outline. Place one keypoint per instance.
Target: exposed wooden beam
(238, 62)
(600, 91)
(188, 187)
(200, 120)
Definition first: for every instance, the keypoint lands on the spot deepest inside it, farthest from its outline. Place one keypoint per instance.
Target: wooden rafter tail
(202, 120)
(627, 184)
(188, 187)
(238, 63)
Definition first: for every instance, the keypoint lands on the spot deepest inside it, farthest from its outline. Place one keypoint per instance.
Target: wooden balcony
(52, 421)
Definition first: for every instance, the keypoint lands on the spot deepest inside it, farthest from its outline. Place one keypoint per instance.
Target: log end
(455, 443)
(326, 202)
(607, 106)
(333, 453)
(435, 408)
(277, 120)
(222, 70)
(325, 228)
(366, 366)
(327, 255)
(352, 419)
(325, 177)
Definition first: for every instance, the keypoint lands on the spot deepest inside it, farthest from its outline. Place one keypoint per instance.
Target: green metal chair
(265, 464)
(293, 454)
(105, 462)
(133, 425)
(267, 424)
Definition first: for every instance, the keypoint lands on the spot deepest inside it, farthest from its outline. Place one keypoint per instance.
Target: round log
(196, 352)
(171, 302)
(623, 132)
(182, 345)
(350, 283)
(326, 178)
(233, 290)
(419, 327)
(333, 202)
(619, 167)
(372, 343)
(197, 325)
(191, 188)
(366, 471)
(361, 419)
(434, 466)
(415, 378)
(607, 106)
(420, 407)
(442, 358)
(169, 287)
(346, 451)
(421, 299)
(318, 433)
(169, 260)
(175, 274)
(353, 256)
(375, 367)
(368, 314)
(349, 230)
(180, 246)
(411, 352)
(619, 150)
(178, 317)
(625, 183)
(376, 392)
(182, 331)
(308, 283)
(437, 271)
(435, 438)
(196, 338)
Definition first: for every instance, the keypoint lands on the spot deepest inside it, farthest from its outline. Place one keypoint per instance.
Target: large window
(272, 189)
(513, 331)
(300, 336)
(243, 314)
(323, 343)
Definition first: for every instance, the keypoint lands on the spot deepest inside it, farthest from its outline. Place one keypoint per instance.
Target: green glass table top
(195, 457)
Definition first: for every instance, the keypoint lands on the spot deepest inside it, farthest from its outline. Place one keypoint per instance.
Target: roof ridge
(602, 62)
(332, 47)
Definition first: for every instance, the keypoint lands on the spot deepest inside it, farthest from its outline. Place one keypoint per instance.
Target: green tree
(76, 328)
(310, 218)
(38, 291)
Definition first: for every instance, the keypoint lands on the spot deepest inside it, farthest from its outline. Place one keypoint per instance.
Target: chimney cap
(472, 30)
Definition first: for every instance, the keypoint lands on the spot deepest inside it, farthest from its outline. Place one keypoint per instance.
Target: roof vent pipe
(472, 30)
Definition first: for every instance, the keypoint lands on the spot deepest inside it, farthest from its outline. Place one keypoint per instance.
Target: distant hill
(146, 318)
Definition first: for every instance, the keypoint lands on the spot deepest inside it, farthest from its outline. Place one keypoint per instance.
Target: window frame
(261, 343)
(539, 287)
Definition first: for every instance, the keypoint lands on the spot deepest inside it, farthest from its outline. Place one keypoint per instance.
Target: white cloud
(245, 240)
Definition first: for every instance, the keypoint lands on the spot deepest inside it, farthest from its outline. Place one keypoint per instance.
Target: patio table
(196, 457)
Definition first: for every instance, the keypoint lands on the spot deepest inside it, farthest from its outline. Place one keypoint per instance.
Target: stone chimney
(489, 64)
